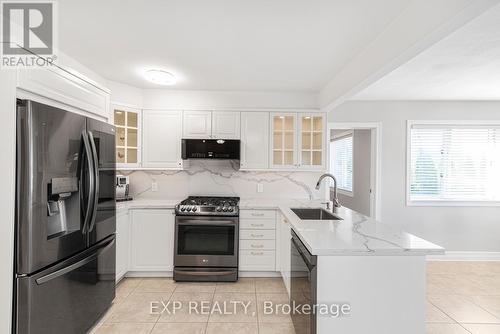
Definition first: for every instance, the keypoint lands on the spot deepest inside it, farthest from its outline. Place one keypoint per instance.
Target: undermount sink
(315, 214)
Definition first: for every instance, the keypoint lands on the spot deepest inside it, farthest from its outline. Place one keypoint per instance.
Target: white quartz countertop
(355, 234)
(148, 204)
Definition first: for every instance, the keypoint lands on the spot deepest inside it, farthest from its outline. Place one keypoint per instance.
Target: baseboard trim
(149, 274)
(170, 274)
(465, 256)
(259, 274)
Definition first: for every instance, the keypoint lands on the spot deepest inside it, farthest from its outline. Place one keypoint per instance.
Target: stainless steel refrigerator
(65, 220)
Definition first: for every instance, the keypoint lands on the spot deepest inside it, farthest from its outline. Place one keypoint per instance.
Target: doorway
(354, 159)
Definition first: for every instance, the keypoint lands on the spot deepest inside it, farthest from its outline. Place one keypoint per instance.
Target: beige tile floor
(462, 298)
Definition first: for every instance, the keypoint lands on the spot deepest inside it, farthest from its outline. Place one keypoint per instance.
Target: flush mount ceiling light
(160, 77)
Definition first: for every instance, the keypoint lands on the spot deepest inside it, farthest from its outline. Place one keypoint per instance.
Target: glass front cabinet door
(128, 124)
(298, 141)
(311, 141)
(284, 140)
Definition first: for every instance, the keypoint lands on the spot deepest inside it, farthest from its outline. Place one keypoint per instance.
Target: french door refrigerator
(65, 220)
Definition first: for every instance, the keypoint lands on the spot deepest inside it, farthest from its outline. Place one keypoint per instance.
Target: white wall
(171, 99)
(199, 99)
(125, 94)
(7, 199)
(455, 228)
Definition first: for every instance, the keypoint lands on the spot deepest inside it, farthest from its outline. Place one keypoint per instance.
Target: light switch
(154, 186)
(260, 187)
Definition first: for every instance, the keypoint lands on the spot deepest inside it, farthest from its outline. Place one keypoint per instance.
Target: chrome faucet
(333, 190)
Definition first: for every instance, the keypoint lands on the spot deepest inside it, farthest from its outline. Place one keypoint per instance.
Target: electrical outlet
(260, 187)
(154, 186)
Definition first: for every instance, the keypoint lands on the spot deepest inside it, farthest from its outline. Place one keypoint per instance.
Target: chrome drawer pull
(257, 214)
(257, 235)
(257, 246)
(257, 253)
(257, 225)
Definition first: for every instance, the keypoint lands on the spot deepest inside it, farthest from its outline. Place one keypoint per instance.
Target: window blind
(341, 162)
(454, 163)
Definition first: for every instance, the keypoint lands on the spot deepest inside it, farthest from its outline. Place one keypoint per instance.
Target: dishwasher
(303, 285)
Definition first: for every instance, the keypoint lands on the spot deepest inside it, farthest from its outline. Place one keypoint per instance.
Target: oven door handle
(205, 222)
(204, 273)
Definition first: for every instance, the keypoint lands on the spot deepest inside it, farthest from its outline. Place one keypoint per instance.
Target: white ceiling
(258, 45)
(463, 66)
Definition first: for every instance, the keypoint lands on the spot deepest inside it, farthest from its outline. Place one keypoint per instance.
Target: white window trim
(441, 203)
(345, 134)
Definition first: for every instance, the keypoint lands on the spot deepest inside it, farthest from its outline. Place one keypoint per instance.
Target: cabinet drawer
(257, 234)
(258, 214)
(251, 260)
(257, 244)
(258, 224)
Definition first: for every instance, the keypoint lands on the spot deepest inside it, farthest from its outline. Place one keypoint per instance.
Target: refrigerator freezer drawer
(70, 296)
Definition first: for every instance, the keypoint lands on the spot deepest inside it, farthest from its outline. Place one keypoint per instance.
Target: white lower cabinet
(122, 244)
(257, 240)
(152, 240)
(285, 251)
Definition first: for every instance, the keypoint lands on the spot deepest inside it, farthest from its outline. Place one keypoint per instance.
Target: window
(454, 163)
(341, 161)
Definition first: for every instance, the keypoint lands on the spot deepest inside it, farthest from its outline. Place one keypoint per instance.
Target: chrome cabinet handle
(257, 253)
(257, 235)
(257, 246)
(257, 225)
(257, 214)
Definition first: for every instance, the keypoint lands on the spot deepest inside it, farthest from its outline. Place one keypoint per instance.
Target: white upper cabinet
(197, 124)
(297, 141)
(62, 89)
(128, 136)
(208, 124)
(162, 139)
(283, 152)
(311, 152)
(254, 140)
(225, 125)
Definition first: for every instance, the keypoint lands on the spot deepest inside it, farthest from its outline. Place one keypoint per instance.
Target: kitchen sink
(315, 214)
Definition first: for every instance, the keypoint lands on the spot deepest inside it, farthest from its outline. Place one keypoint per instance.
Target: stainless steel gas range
(206, 239)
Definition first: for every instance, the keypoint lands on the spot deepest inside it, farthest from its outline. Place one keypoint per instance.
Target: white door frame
(376, 159)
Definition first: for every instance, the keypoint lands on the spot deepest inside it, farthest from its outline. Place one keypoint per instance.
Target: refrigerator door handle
(76, 265)
(90, 166)
(96, 180)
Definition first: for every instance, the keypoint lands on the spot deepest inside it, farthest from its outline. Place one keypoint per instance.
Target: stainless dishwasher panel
(303, 285)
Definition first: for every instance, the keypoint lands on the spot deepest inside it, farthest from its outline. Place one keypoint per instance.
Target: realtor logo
(27, 33)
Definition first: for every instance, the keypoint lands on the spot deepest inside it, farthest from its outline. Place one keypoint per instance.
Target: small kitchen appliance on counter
(122, 189)
(206, 239)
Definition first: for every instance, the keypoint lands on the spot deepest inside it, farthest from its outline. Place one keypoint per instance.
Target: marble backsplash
(222, 178)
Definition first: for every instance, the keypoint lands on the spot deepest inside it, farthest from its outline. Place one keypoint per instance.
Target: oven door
(206, 241)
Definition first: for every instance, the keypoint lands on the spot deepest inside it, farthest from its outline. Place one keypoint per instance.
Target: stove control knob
(183, 208)
(224, 209)
(230, 209)
(194, 209)
(218, 208)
